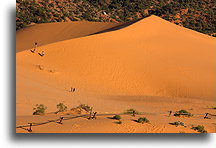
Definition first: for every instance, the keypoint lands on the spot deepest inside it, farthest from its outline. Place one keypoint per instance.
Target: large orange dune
(151, 65)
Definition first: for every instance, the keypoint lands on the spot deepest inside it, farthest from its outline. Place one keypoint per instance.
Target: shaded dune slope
(117, 27)
(151, 57)
(47, 33)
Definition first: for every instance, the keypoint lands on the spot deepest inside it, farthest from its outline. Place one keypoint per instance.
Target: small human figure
(72, 89)
(133, 113)
(36, 44)
(41, 54)
(34, 47)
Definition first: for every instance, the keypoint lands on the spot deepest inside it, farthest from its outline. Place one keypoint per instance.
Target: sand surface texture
(47, 33)
(151, 65)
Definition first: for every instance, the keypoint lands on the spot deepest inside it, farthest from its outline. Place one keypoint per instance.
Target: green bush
(131, 111)
(182, 113)
(82, 108)
(177, 123)
(85, 107)
(116, 117)
(200, 128)
(61, 107)
(143, 120)
(39, 109)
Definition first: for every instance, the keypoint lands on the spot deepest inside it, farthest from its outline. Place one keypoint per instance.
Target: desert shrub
(183, 112)
(200, 128)
(39, 109)
(81, 108)
(177, 123)
(116, 117)
(85, 107)
(143, 120)
(61, 107)
(131, 111)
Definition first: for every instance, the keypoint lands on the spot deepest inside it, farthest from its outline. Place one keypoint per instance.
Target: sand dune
(52, 32)
(150, 58)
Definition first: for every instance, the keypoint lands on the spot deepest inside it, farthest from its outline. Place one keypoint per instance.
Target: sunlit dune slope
(151, 57)
(52, 32)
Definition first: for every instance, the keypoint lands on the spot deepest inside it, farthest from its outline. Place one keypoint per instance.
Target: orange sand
(47, 33)
(152, 66)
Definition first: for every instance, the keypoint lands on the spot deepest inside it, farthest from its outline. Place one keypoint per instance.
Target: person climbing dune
(36, 44)
(33, 51)
(41, 54)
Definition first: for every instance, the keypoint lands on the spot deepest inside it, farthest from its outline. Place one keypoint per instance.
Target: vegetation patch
(142, 120)
(39, 109)
(116, 117)
(61, 107)
(85, 107)
(182, 113)
(198, 15)
(82, 108)
(177, 123)
(200, 128)
(131, 111)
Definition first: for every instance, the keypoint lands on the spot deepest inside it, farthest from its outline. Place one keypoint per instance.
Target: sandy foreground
(151, 65)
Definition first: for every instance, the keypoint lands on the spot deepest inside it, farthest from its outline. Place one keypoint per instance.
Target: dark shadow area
(110, 118)
(134, 120)
(121, 26)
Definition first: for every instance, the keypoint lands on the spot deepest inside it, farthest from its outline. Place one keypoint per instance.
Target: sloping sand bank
(47, 33)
